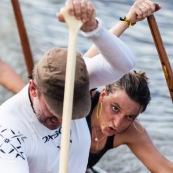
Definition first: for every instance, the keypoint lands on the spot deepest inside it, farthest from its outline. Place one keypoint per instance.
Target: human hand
(82, 10)
(141, 9)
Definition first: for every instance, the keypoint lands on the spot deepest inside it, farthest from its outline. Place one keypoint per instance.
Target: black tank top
(95, 157)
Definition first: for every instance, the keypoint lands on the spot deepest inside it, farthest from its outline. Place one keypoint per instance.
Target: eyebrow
(119, 107)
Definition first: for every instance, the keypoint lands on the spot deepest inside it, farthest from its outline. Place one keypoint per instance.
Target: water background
(45, 32)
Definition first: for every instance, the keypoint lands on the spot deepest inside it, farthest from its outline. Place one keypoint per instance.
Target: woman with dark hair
(113, 122)
(113, 117)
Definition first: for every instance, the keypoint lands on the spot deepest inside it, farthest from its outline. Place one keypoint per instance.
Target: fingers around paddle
(90, 12)
(91, 22)
(77, 9)
(69, 6)
(146, 9)
(60, 17)
(84, 4)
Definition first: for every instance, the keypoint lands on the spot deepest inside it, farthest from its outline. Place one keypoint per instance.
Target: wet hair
(135, 84)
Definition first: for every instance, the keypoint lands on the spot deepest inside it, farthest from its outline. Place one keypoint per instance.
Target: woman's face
(118, 112)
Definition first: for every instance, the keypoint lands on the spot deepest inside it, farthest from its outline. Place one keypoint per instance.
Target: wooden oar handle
(73, 26)
(23, 37)
(162, 53)
(71, 21)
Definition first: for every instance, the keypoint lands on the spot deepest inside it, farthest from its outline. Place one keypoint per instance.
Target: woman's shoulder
(133, 135)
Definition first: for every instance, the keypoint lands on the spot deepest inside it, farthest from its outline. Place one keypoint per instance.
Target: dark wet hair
(135, 85)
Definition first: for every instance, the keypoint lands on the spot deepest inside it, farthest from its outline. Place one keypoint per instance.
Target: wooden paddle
(73, 25)
(162, 53)
(23, 37)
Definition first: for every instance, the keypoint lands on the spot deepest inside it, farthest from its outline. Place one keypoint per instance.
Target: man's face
(44, 115)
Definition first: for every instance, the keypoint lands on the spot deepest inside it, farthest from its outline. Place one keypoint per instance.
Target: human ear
(32, 88)
(103, 94)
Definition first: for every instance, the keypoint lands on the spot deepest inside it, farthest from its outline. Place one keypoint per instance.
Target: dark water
(45, 31)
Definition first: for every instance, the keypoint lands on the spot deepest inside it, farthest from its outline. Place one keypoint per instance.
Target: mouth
(52, 123)
(111, 130)
(54, 119)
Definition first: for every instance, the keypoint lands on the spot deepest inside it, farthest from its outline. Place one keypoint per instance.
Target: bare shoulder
(135, 134)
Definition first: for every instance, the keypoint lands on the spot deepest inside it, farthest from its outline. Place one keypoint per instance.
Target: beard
(50, 121)
(38, 111)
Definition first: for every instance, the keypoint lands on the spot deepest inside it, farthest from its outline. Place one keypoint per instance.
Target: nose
(118, 120)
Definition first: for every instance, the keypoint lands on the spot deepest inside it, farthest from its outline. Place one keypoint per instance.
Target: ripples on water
(45, 31)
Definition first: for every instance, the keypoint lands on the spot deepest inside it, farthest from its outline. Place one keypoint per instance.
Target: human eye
(130, 117)
(115, 108)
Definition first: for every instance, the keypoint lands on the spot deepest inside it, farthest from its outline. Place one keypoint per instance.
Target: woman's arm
(149, 155)
(135, 14)
(141, 145)
(10, 79)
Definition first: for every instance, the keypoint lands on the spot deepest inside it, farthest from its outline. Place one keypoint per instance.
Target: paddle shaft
(67, 108)
(23, 37)
(162, 53)
(74, 26)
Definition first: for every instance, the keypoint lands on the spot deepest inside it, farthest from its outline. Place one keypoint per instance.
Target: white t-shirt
(26, 146)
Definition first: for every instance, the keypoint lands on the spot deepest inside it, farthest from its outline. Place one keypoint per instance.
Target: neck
(97, 135)
(95, 121)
